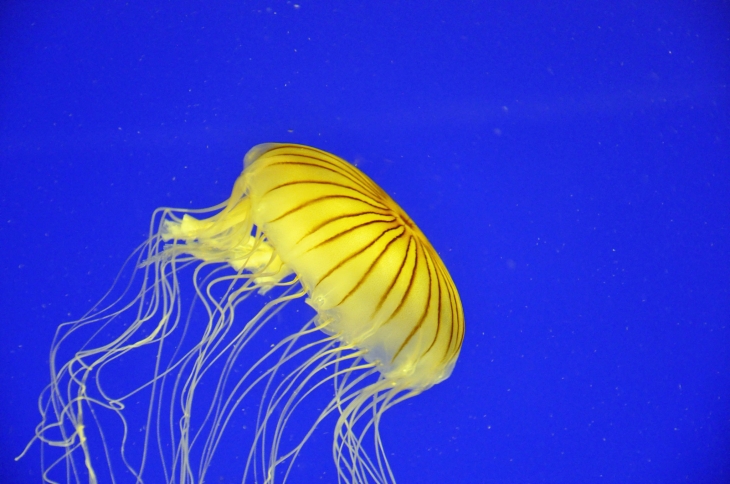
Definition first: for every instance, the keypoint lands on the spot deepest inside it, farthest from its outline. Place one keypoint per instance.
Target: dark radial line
(408, 289)
(395, 278)
(459, 325)
(345, 232)
(445, 282)
(352, 171)
(454, 314)
(319, 199)
(423, 317)
(341, 168)
(322, 182)
(364, 193)
(375, 261)
(348, 259)
(349, 167)
(460, 313)
(439, 283)
(332, 169)
(456, 319)
(339, 217)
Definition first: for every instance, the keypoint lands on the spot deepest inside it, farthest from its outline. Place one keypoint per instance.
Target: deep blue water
(570, 162)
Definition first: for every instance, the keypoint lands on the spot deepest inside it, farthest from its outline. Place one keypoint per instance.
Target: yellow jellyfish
(134, 397)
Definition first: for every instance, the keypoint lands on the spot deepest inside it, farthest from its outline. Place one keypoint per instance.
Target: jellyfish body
(311, 225)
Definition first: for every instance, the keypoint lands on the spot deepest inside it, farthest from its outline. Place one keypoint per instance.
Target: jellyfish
(148, 385)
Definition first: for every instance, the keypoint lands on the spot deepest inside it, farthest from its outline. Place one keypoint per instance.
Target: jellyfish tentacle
(195, 353)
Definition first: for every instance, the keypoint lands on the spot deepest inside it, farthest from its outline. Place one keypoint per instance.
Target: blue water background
(570, 161)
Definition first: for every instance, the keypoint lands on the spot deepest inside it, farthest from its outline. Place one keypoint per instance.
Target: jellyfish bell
(370, 273)
(309, 224)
